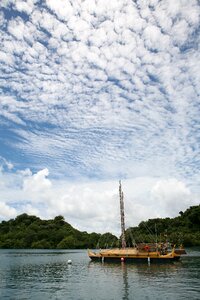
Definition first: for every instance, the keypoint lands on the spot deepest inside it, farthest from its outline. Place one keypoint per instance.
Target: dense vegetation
(184, 229)
(31, 232)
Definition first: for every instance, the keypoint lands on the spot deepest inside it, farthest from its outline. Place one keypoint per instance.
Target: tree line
(27, 231)
(183, 229)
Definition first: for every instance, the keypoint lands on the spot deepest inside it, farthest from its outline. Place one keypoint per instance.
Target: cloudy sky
(96, 91)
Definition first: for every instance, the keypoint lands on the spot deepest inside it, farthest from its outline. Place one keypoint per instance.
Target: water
(45, 274)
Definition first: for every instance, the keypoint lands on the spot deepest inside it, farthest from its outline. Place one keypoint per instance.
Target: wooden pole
(121, 197)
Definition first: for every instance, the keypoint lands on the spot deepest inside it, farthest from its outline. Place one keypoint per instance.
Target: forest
(183, 229)
(26, 232)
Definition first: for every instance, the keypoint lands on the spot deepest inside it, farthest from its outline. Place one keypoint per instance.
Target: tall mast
(121, 198)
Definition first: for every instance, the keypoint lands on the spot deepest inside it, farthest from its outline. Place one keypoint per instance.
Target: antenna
(121, 198)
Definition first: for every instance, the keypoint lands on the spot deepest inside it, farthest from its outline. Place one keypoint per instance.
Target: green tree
(43, 244)
(68, 242)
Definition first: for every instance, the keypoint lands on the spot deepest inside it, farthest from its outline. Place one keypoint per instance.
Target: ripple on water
(46, 275)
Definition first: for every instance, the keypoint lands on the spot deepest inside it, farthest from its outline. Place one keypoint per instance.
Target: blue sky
(96, 91)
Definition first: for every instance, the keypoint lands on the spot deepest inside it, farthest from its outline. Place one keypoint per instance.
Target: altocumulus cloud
(96, 91)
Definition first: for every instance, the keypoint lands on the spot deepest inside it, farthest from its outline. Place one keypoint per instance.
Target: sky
(93, 92)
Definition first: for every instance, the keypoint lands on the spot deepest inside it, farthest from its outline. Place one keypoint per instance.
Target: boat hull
(134, 259)
(132, 255)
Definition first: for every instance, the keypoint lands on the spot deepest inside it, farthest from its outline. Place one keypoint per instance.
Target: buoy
(122, 258)
(69, 262)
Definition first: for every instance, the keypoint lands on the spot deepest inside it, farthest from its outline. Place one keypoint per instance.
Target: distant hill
(27, 231)
(31, 232)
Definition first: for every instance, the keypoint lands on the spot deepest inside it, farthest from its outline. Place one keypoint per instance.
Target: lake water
(45, 274)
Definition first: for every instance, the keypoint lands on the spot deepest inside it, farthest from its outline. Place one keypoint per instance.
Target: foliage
(182, 229)
(31, 232)
(107, 240)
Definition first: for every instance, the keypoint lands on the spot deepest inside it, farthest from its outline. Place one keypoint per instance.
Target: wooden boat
(156, 252)
(135, 254)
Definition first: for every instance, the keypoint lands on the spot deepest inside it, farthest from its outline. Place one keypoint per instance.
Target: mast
(121, 198)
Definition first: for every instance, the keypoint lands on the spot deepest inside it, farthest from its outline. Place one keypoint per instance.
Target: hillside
(184, 229)
(31, 232)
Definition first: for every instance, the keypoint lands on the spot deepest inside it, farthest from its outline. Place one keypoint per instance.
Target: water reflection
(125, 281)
(137, 278)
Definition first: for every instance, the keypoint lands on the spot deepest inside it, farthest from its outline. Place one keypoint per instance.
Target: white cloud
(62, 8)
(16, 28)
(37, 184)
(5, 164)
(6, 58)
(25, 6)
(94, 205)
(172, 195)
(180, 32)
(6, 211)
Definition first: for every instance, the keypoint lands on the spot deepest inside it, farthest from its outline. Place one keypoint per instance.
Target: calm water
(45, 274)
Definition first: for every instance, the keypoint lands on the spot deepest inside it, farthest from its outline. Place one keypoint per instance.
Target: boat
(156, 252)
(135, 254)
